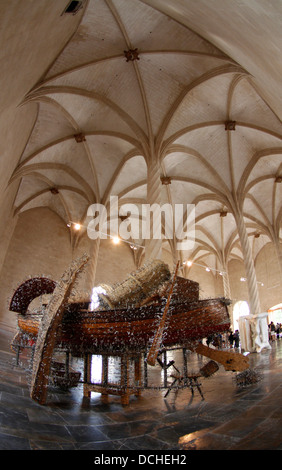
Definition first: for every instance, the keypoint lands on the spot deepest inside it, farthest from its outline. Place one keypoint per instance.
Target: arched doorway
(275, 314)
(241, 308)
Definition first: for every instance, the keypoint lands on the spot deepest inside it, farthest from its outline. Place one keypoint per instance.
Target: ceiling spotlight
(77, 226)
(208, 270)
(189, 263)
(116, 240)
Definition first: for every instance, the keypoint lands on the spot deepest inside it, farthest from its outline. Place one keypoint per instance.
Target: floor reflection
(229, 417)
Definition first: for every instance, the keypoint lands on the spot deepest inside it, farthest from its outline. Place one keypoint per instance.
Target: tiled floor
(230, 417)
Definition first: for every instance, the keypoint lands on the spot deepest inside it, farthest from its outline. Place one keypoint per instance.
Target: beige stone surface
(200, 65)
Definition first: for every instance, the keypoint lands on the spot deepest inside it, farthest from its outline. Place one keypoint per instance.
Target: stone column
(153, 245)
(225, 276)
(92, 265)
(278, 250)
(249, 265)
(254, 328)
(226, 284)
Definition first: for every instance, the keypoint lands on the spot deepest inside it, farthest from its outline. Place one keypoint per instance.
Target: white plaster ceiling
(198, 66)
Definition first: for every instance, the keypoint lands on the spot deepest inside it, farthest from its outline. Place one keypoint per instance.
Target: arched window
(241, 308)
(275, 314)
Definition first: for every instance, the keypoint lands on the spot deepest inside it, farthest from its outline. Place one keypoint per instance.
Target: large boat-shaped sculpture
(83, 331)
(148, 312)
(113, 326)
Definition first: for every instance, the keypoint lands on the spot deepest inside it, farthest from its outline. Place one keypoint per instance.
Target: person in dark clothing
(272, 332)
(209, 340)
(236, 338)
(231, 339)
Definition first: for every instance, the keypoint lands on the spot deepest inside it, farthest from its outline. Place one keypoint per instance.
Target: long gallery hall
(140, 228)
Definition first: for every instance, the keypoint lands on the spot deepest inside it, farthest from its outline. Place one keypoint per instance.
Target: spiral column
(249, 265)
(91, 266)
(226, 284)
(225, 277)
(153, 244)
(278, 250)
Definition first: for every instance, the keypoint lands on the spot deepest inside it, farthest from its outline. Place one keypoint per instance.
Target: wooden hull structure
(83, 331)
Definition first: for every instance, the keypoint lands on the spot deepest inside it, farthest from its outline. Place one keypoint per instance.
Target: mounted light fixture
(207, 268)
(74, 225)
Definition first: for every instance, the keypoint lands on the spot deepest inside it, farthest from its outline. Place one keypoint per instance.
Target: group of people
(274, 331)
(234, 339)
(222, 341)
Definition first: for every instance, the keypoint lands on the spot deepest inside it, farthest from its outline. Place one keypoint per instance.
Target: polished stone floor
(229, 418)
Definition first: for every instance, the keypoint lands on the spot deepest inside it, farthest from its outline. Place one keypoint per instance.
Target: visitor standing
(236, 339)
(231, 339)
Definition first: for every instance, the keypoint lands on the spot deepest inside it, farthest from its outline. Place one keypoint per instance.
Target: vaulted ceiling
(185, 92)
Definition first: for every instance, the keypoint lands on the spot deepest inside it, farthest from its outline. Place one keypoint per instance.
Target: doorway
(241, 308)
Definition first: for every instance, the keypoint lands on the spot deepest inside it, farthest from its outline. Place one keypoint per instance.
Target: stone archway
(275, 314)
(241, 308)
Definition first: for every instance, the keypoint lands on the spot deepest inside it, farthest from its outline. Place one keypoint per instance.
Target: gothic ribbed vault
(132, 82)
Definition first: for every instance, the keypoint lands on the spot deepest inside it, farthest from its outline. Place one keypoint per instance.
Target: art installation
(137, 320)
